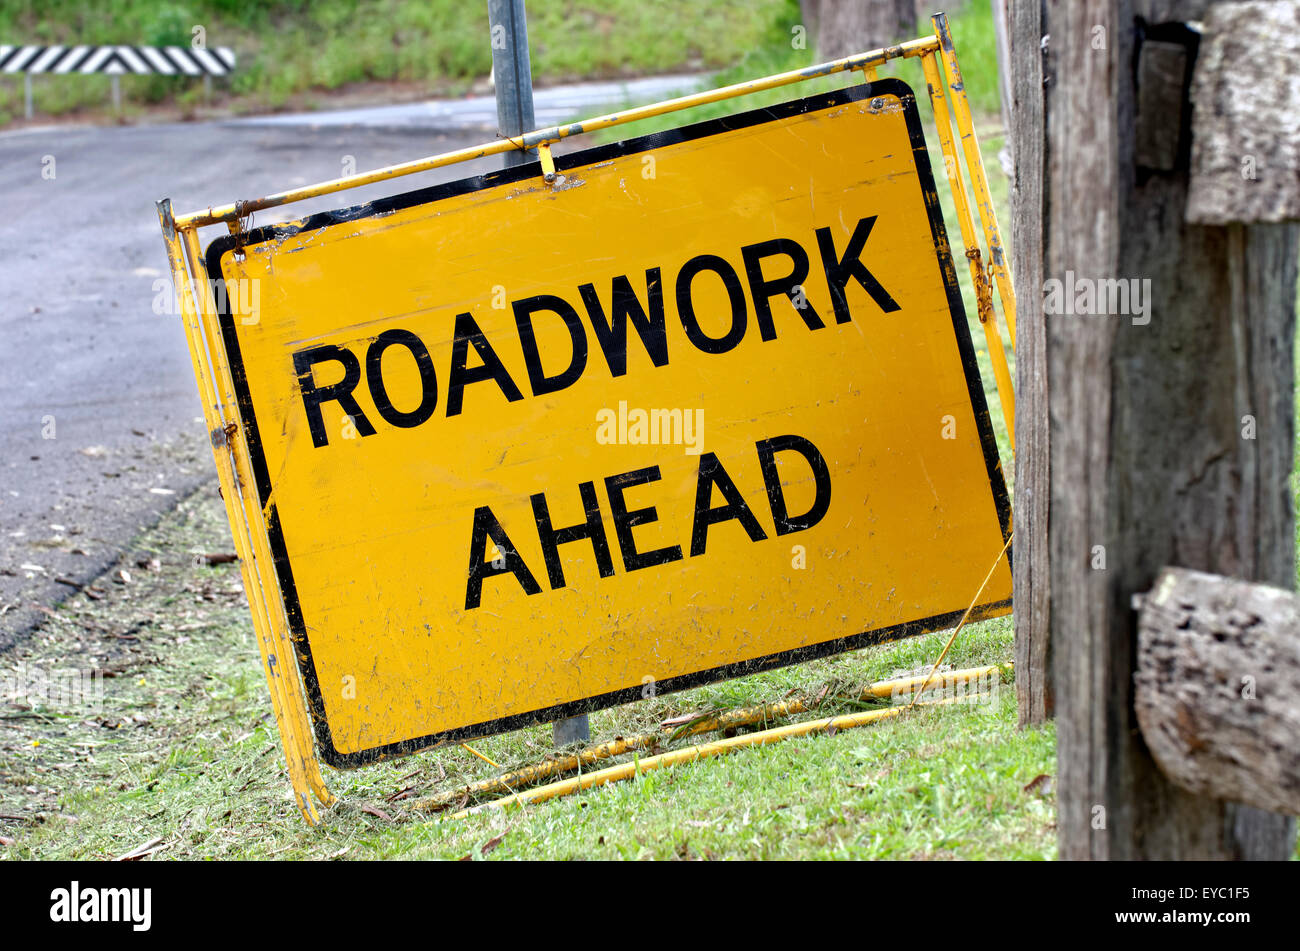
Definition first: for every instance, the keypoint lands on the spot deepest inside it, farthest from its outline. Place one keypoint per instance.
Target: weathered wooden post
(1156, 365)
(1033, 658)
(842, 27)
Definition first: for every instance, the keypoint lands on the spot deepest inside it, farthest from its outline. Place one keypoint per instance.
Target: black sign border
(888, 86)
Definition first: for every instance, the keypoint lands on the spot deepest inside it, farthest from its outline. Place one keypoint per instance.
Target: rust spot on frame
(983, 286)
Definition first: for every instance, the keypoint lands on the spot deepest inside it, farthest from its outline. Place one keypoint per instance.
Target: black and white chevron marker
(118, 60)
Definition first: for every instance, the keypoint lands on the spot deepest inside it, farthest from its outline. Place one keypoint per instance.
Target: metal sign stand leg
(213, 378)
(979, 277)
(975, 168)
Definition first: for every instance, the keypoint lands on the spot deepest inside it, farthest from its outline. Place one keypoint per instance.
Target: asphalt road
(100, 425)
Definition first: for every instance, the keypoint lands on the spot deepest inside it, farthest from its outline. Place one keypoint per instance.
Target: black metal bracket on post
(1163, 57)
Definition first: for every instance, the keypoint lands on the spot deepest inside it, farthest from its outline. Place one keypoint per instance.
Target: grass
(185, 751)
(972, 29)
(290, 49)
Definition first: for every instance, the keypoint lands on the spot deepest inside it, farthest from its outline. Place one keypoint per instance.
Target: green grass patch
(289, 48)
(185, 750)
(973, 38)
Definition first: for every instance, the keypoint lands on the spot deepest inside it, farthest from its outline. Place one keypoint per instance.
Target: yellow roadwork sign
(704, 404)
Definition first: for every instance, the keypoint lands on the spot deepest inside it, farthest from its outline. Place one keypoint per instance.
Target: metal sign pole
(513, 75)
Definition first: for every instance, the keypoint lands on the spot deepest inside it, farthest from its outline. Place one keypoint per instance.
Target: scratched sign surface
(704, 405)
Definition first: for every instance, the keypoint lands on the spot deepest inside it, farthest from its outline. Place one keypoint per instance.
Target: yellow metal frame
(510, 783)
(216, 387)
(690, 754)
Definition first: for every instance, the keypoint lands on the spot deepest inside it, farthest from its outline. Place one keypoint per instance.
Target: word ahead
(520, 446)
(711, 476)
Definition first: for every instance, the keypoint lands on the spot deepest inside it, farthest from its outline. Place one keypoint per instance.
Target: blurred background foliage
(295, 53)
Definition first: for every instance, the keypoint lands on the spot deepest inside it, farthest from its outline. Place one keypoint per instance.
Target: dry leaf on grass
(142, 851)
(1040, 785)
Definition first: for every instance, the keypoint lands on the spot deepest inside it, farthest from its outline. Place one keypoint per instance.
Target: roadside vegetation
(779, 52)
(295, 54)
(184, 760)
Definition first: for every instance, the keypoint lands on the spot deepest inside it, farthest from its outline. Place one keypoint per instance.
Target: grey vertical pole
(514, 90)
(27, 94)
(512, 72)
(117, 94)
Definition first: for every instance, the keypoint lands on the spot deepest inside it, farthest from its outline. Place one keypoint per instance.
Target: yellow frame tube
(509, 782)
(189, 297)
(531, 140)
(225, 427)
(979, 280)
(251, 517)
(975, 168)
(690, 754)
